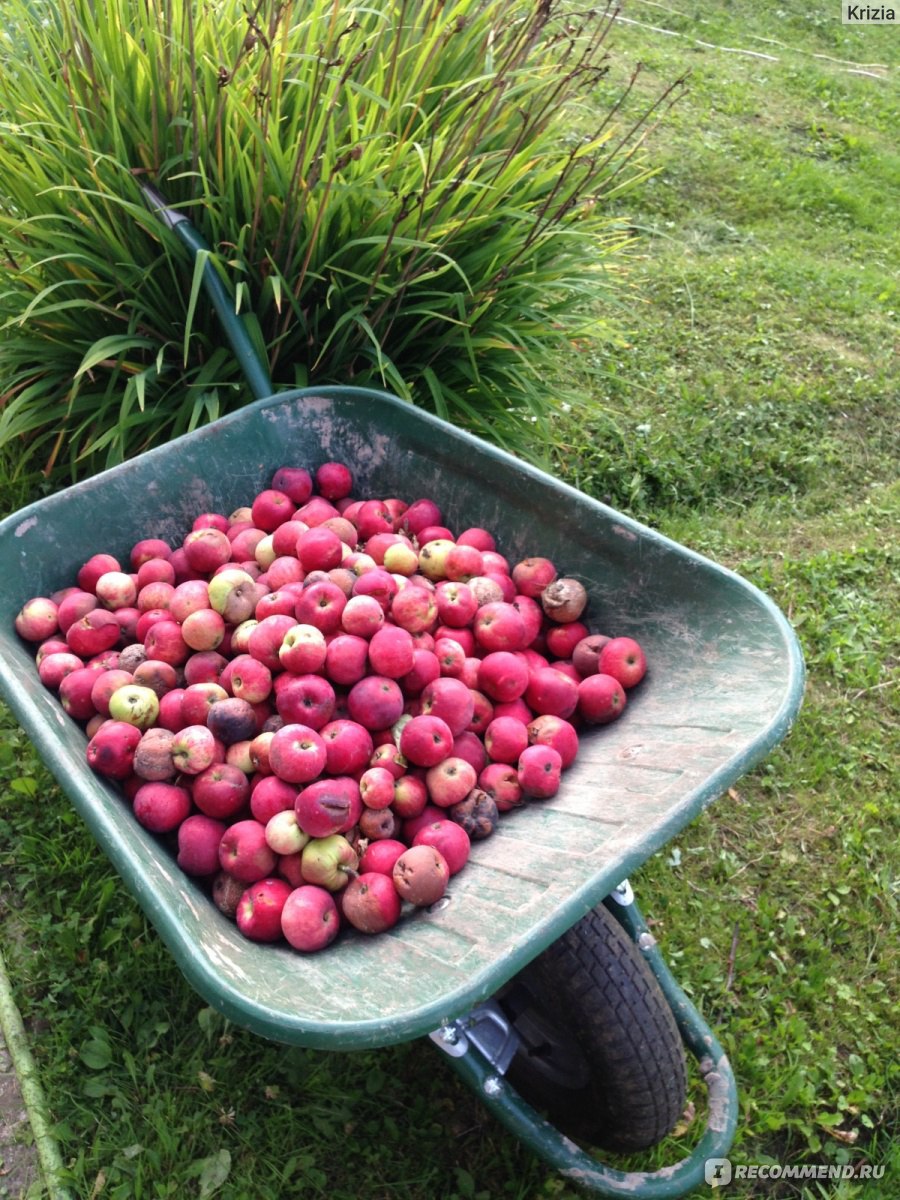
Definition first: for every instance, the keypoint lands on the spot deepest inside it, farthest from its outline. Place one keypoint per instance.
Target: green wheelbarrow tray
(722, 687)
(724, 684)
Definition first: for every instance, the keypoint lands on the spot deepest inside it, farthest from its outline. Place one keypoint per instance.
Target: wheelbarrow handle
(485, 1077)
(251, 362)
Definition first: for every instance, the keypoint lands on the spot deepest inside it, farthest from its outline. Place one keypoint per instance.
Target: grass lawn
(752, 414)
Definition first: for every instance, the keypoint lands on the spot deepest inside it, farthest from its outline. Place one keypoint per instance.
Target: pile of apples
(320, 701)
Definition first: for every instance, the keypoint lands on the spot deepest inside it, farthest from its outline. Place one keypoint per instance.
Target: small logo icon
(718, 1172)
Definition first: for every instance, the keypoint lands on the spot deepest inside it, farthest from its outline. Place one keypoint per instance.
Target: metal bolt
(449, 1035)
(492, 1086)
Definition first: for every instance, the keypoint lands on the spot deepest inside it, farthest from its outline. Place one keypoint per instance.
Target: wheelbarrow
(517, 974)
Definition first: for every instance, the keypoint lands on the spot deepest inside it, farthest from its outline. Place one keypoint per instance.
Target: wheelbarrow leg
(482, 1044)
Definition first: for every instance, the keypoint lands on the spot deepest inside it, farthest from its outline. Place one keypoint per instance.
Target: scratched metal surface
(724, 684)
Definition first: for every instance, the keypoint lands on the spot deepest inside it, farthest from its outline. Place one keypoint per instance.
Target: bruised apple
(421, 874)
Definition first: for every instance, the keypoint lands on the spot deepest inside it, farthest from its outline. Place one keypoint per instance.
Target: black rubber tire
(601, 1055)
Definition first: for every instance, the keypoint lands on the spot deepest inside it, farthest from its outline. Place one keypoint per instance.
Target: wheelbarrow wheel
(601, 1054)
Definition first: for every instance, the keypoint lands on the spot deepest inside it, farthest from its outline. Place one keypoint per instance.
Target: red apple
(562, 639)
(303, 649)
(198, 844)
(376, 786)
(371, 903)
(189, 597)
(601, 699)
(348, 746)
(449, 781)
(334, 480)
(250, 679)
(328, 806)
(37, 619)
(375, 702)
(347, 657)
(391, 652)
(419, 515)
(451, 700)
(294, 482)
(198, 699)
(448, 837)
(244, 852)
(309, 919)
(532, 575)
(551, 691)
(164, 640)
(297, 753)
(505, 739)
(410, 797)
(321, 604)
(161, 807)
(194, 749)
(305, 700)
(259, 910)
(170, 710)
(414, 609)
(72, 607)
(116, 589)
(319, 549)
(221, 791)
(111, 750)
(148, 550)
(425, 669)
(206, 549)
(499, 626)
(270, 795)
(539, 768)
(456, 603)
(500, 781)
(426, 740)
(381, 855)
(624, 659)
(96, 565)
(56, 666)
(362, 616)
(377, 582)
(549, 730)
(96, 631)
(271, 508)
(316, 511)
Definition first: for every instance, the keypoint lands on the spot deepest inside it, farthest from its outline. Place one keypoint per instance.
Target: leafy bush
(408, 196)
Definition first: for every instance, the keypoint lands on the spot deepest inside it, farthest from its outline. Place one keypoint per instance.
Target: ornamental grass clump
(404, 196)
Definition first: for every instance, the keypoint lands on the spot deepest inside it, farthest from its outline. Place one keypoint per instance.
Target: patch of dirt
(20, 1174)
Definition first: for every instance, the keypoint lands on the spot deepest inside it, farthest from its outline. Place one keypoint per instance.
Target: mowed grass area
(751, 414)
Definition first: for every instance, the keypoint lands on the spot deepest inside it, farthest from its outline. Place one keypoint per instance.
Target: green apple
(232, 593)
(137, 705)
(328, 861)
(433, 558)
